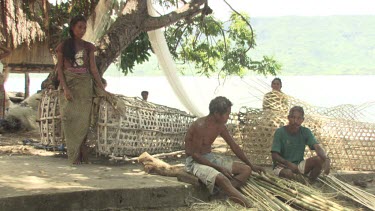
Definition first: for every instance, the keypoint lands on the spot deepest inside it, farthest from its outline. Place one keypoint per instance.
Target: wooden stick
(155, 165)
(127, 159)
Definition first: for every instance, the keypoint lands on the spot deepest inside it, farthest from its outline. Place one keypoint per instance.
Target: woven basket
(51, 133)
(140, 127)
(349, 143)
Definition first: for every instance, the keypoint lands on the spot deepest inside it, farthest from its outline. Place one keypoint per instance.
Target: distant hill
(324, 45)
(318, 45)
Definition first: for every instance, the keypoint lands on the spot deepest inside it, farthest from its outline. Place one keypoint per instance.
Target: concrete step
(50, 183)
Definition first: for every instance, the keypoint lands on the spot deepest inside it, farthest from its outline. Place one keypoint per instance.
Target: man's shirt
(292, 146)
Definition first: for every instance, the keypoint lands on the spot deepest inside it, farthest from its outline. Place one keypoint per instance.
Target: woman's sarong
(76, 113)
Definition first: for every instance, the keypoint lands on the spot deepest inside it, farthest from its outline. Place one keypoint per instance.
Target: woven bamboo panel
(278, 101)
(140, 127)
(50, 119)
(349, 143)
(345, 111)
(256, 133)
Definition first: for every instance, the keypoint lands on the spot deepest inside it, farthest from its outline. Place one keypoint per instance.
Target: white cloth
(160, 47)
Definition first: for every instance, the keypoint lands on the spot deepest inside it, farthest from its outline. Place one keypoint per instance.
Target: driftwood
(154, 165)
(127, 159)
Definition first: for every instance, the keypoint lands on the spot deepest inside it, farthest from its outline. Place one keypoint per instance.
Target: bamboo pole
(27, 85)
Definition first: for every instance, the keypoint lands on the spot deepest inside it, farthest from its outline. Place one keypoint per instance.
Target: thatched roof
(35, 58)
(24, 34)
(18, 26)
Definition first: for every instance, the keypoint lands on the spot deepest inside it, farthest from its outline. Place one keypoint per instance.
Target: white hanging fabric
(161, 50)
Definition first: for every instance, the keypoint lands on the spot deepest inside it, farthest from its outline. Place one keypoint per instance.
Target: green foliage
(214, 48)
(60, 15)
(329, 45)
(167, 3)
(239, 31)
(137, 52)
(203, 41)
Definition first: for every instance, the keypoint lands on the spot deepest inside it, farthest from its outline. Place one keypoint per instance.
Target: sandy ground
(108, 174)
(12, 144)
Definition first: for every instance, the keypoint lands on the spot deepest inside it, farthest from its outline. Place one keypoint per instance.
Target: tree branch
(187, 11)
(179, 39)
(244, 19)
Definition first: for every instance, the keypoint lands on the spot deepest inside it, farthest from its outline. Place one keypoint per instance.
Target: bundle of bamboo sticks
(349, 191)
(269, 192)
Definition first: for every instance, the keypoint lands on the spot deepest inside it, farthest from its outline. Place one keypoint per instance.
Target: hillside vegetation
(319, 45)
(326, 45)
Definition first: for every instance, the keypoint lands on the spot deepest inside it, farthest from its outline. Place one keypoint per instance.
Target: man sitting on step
(212, 169)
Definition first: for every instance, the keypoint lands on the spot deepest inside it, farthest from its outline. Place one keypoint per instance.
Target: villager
(144, 95)
(213, 169)
(77, 73)
(104, 82)
(288, 149)
(276, 99)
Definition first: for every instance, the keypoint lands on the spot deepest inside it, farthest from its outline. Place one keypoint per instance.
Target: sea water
(324, 91)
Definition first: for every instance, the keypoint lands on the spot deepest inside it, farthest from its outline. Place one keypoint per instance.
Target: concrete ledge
(102, 199)
(50, 183)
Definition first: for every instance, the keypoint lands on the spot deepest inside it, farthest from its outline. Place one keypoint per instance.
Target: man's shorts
(207, 174)
(301, 168)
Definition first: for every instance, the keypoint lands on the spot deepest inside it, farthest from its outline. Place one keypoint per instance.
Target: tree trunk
(100, 20)
(134, 21)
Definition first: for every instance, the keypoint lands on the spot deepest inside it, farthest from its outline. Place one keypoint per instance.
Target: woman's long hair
(68, 48)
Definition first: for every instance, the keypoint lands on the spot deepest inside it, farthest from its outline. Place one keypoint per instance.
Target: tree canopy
(119, 30)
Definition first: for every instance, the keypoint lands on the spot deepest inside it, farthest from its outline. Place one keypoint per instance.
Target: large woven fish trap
(361, 113)
(278, 101)
(140, 127)
(350, 144)
(51, 133)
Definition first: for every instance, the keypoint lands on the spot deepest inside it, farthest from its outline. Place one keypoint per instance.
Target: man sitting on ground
(288, 149)
(213, 169)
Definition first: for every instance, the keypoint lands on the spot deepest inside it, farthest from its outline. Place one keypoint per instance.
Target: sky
(256, 8)
(261, 8)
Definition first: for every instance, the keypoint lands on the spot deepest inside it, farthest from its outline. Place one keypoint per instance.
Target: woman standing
(77, 74)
